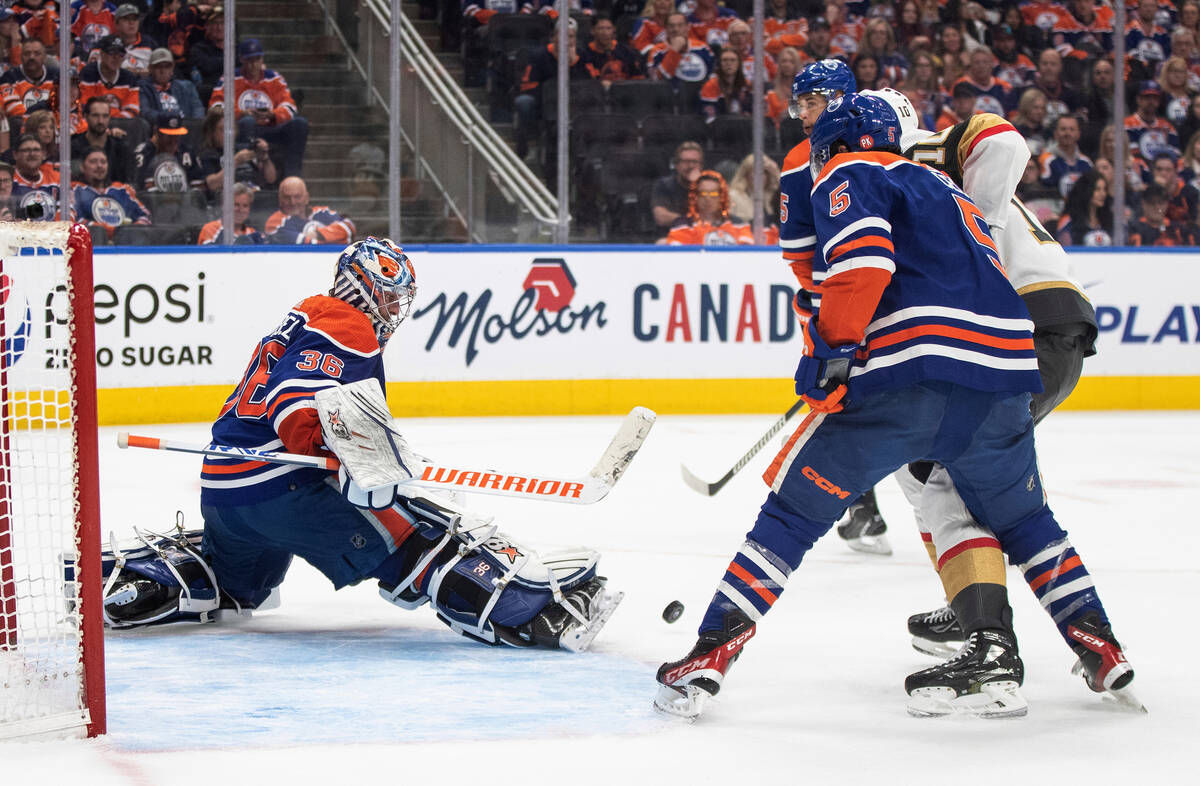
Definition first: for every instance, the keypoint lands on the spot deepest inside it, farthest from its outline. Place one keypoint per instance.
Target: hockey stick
(709, 489)
(583, 490)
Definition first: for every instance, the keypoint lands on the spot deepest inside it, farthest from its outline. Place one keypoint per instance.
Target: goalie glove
(356, 495)
(822, 373)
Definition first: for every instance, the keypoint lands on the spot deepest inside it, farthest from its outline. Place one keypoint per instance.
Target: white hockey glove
(356, 495)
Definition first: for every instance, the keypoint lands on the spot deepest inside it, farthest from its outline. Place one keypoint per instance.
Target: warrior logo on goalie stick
(336, 425)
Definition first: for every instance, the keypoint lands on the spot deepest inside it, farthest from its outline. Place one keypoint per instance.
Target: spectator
(1151, 228)
(741, 40)
(1191, 159)
(923, 89)
(1064, 163)
(137, 46)
(780, 93)
(1012, 65)
(1135, 165)
(669, 198)
(41, 126)
(819, 45)
(682, 57)
(950, 48)
(651, 27)
(1098, 103)
(165, 162)
(476, 15)
(265, 107)
(1046, 203)
(1191, 123)
(610, 60)
(6, 190)
(726, 92)
(910, 26)
(1146, 42)
(10, 39)
(296, 222)
(99, 201)
(1177, 93)
(1087, 28)
(708, 217)
(1182, 198)
(961, 106)
(213, 233)
(37, 19)
(741, 194)
(879, 41)
(1087, 218)
(252, 162)
(1030, 120)
(162, 92)
(107, 78)
(844, 33)
(709, 22)
(207, 53)
(991, 94)
(866, 72)
(1147, 131)
(92, 20)
(543, 67)
(35, 188)
(1189, 17)
(101, 133)
(33, 82)
(783, 17)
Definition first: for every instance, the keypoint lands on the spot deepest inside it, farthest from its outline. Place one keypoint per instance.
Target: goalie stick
(583, 490)
(709, 489)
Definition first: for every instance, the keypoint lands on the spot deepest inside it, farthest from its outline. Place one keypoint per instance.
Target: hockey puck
(673, 611)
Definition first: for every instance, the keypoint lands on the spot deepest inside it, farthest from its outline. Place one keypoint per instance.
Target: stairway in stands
(333, 98)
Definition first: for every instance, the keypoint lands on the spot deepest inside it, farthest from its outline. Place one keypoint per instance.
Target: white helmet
(376, 276)
(910, 133)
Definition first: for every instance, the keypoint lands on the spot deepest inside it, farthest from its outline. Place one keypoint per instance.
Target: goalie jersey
(907, 270)
(985, 156)
(323, 341)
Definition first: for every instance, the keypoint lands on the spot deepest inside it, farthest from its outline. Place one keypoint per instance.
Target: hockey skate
(864, 528)
(1101, 661)
(982, 679)
(685, 685)
(936, 633)
(573, 622)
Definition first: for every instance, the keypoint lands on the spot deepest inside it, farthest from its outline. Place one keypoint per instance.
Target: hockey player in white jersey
(986, 156)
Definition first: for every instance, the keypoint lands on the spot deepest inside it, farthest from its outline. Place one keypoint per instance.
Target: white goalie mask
(376, 276)
(910, 132)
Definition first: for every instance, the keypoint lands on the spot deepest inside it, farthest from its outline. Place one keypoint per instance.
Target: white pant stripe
(1070, 588)
(773, 573)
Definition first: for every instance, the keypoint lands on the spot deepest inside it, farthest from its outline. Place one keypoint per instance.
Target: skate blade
(1124, 697)
(938, 649)
(685, 702)
(871, 544)
(579, 638)
(1000, 699)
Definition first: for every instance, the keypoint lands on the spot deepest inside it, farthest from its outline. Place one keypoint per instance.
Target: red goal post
(51, 626)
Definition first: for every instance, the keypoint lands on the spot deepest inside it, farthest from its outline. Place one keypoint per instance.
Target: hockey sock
(759, 570)
(972, 574)
(1062, 585)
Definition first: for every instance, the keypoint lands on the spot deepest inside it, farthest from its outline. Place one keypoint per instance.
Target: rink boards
(557, 330)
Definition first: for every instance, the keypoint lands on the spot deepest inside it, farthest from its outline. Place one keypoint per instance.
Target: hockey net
(51, 635)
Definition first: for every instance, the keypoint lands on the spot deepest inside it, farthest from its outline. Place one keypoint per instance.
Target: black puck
(673, 611)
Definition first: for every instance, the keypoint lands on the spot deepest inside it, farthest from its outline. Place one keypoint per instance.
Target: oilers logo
(251, 100)
(108, 211)
(39, 197)
(988, 103)
(93, 32)
(167, 175)
(14, 330)
(692, 68)
(718, 237)
(35, 95)
(1151, 142)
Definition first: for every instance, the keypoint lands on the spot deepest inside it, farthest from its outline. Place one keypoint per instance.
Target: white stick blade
(695, 483)
(624, 446)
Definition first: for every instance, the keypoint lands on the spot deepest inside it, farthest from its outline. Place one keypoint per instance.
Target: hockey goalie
(314, 385)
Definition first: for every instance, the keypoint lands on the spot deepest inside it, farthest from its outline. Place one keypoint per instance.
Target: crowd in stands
(147, 107)
(1047, 66)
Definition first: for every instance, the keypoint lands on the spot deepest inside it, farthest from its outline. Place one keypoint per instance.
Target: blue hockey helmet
(377, 277)
(861, 122)
(824, 77)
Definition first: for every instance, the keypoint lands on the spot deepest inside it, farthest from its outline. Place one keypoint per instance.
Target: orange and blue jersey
(909, 271)
(330, 226)
(38, 22)
(271, 92)
(797, 235)
(321, 342)
(124, 90)
(110, 207)
(90, 26)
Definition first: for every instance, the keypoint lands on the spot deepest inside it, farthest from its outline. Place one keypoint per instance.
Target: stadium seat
(791, 133)
(661, 134)
(640, 97)
(138, 235)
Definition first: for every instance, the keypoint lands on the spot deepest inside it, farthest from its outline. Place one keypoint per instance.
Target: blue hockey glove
(356, 495)
(823, 371)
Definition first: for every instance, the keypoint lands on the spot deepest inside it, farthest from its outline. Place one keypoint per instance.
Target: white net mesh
(41, 689)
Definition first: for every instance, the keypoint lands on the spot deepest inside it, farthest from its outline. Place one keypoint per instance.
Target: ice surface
(337, 688)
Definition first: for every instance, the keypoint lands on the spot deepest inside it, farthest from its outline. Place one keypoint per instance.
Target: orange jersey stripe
(1055, 572)
(950, 332)
(396, 525)
(231, 469)
(280, 399)
(865, 241)
(776, 463)
(753, 583)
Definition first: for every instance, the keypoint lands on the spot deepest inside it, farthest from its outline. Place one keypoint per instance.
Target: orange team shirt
(270, 92)
(702, 233)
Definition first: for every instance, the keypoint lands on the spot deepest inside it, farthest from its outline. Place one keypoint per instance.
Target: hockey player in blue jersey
(419, 547)
(920, 349)
(814, 87)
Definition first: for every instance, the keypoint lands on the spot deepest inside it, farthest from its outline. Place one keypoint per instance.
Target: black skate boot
(864, 528)
(557, 626)
(1101, 661)
(936, 633)
(686, 684)
(981, 679)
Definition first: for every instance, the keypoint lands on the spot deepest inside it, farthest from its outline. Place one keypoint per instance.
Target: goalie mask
(377, 277)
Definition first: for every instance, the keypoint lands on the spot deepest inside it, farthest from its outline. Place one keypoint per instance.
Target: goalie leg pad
(163, 580)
